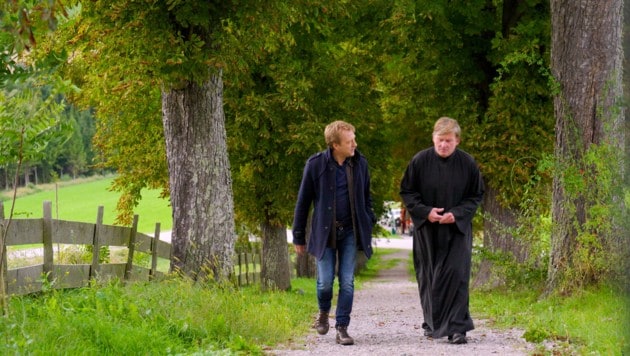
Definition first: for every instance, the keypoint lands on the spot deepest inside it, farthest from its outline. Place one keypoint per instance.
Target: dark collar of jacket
(352, 161)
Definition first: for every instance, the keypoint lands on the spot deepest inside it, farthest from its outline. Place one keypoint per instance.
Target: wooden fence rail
(50, 232)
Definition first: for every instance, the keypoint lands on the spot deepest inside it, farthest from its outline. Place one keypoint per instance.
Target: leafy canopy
(31, 91)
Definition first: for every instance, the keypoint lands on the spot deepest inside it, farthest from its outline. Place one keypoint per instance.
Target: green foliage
(32, 93)
(30, 105)
(518, 128)
(591, 209)
(481, 63)
(77, 254)
(434, 62)
(110, 41)
(47, 283)
(75, 156)
(316, 72)
(531, 231)
(593, 199)
(21, 20)
(129, 129)
(103, 253)
(30, 115)
(536, 334)
(290, 69)
(510, 272)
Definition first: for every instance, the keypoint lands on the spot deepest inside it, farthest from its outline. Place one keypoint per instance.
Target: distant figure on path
(442, 188)
(404, 221)
(337, 182)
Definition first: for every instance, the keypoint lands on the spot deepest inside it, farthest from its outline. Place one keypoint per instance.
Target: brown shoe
(321, 324)
(342, 336)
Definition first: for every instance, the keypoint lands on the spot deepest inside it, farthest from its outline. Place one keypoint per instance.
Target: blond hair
(332, 133)
(446, 125)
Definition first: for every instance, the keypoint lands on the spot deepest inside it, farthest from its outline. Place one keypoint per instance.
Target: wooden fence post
(246, 255)
(154, 251)
(96, 246)
(47, 240)
(257, 260)
(131, 246)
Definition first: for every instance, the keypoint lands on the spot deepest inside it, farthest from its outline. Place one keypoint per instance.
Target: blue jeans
(345, 254)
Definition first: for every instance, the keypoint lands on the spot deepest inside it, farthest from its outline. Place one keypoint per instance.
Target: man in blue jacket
(336, 182)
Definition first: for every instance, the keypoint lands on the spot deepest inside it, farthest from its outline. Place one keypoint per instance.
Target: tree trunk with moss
(498, 238)
(586, 62)
(200, 182)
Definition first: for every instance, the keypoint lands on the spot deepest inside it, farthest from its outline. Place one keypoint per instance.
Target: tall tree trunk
(275, 271)
(586, 60)
(200, 182)
(306, 266)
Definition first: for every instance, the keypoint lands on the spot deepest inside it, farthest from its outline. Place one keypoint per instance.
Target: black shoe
(457, 338)
(342, 336)
(428, 333)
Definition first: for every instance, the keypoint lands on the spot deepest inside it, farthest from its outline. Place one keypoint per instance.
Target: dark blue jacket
(317, 188)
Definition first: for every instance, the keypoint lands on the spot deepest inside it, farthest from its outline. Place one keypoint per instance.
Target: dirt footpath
(387, 319)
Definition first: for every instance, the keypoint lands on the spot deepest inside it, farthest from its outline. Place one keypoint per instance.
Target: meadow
(79, 200)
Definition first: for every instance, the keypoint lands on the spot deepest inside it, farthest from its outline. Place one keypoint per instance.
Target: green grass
(171, 317)
(591, 322)
(174, 316)
(80, 202)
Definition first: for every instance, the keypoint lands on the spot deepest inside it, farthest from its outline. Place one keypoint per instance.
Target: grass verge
(173, 316)
(590, 322)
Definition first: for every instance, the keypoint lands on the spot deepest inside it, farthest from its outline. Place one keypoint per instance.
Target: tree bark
(275, 273)
(203, 233)
(497, 237)
(306, 265)
(586, 60)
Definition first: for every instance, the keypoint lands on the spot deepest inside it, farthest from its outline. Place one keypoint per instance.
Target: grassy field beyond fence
(80, 202)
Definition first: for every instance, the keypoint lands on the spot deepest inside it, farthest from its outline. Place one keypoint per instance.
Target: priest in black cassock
(442, 188)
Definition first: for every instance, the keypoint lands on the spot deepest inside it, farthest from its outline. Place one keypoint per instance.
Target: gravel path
(387, 319)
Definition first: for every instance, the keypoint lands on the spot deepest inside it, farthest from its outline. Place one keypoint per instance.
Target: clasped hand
(436, 216)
